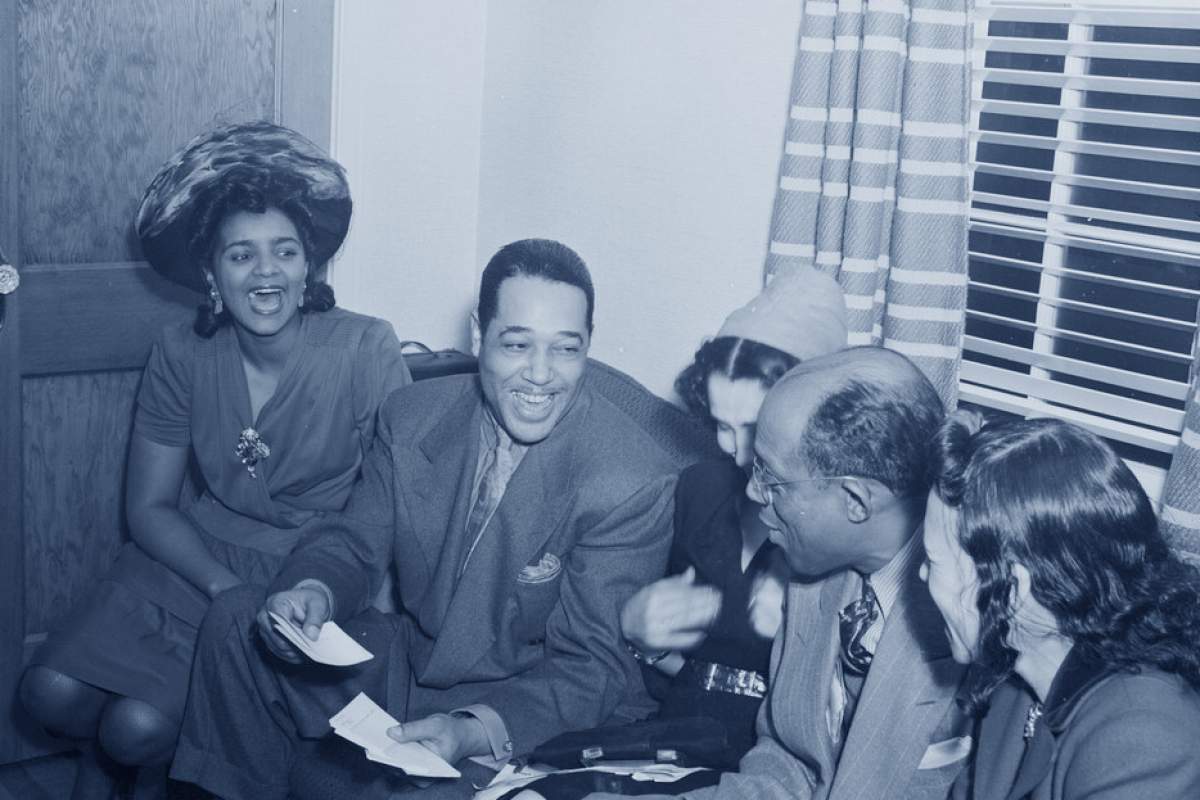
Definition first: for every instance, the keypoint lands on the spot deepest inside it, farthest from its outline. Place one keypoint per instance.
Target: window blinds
(1085, 215)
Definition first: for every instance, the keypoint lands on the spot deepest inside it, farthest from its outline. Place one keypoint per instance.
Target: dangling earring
(214, 299)
(303, 290)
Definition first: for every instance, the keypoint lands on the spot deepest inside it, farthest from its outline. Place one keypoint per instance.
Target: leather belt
(721, 678)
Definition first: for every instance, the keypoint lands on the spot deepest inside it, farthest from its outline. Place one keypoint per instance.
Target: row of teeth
(533, 398)
(264, 291)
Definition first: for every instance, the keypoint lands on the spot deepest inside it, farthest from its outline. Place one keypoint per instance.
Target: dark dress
(708, 537)
(136, 633)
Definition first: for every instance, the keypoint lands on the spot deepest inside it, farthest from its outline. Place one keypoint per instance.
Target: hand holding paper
(333, 646)
(307, 607)
(366, 724)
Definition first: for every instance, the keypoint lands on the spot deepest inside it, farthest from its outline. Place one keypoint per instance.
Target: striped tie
(854, 620)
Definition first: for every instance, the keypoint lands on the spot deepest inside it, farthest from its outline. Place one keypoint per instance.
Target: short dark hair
(253, 189)
(1056, 498)
(536, 258)
(876, 422)
(735, 358)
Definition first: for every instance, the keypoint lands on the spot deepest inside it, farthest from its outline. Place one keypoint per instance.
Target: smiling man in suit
(520, 508)
(862, 682)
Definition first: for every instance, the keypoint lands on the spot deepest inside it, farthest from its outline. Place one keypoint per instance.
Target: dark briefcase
(425, 363)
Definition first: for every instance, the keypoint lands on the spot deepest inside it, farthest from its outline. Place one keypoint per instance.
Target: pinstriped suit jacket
(907, 703)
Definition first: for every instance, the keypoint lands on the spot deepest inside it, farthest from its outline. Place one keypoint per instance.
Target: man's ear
(476, 334)
(856, 494)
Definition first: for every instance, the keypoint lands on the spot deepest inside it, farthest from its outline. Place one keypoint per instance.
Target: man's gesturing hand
(670, 614)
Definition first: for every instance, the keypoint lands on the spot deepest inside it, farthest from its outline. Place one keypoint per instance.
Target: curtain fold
(873, 183)
(1180, 516)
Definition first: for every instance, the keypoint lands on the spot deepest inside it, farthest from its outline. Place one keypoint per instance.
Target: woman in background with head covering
(707, 629)
(271, 393)
(1083, 627)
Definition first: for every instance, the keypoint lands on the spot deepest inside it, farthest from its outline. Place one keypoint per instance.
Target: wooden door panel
(112, 313)
(93, 98)
(12, 561)
(109, 90)
(76, 435)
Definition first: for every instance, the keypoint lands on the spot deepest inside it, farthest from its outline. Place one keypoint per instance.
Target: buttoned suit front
(529, 627)
(907, 704)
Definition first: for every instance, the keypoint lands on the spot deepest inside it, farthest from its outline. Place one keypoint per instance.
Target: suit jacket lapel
(441, 474)
(800, 697)
(535, 501)
(904, 698)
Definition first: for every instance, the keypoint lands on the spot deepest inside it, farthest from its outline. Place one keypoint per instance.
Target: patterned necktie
(500, 466)
(854, 620)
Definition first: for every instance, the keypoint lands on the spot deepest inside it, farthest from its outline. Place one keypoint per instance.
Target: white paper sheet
(363, 722)
(333, 645)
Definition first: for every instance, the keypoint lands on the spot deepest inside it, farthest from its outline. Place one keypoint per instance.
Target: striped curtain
(1180, 517)
(873, 180)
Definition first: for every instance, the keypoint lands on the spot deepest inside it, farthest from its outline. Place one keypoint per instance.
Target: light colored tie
(499, 469)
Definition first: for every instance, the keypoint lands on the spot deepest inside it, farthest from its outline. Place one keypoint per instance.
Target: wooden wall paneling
(77, 430)
(93, 98)
(95, 316)
(12, 608)
(304, 72)
(110, 90)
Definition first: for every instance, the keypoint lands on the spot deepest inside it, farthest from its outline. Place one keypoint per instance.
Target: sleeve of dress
(164, 400)
(379, 370)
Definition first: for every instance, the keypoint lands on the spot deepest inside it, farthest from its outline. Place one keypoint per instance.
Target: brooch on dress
(1031, 720)
(251, 449)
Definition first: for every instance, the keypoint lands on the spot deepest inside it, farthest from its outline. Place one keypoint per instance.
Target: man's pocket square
(546, 569)
(940, 754)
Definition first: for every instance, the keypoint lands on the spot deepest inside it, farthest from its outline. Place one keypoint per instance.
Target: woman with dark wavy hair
(706, 630)
(1045, 558)
(271, 394)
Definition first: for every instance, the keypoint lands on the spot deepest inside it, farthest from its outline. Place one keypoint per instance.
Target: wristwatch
(642, 658)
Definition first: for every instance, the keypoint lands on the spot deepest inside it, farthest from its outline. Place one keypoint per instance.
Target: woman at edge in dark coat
(1045, 558)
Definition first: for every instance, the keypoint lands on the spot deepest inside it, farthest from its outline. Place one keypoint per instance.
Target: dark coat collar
(1076, 676)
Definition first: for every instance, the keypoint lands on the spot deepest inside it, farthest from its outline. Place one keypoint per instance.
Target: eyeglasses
(765, 483)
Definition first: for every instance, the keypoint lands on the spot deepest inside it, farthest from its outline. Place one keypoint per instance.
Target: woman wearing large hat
(271, 394)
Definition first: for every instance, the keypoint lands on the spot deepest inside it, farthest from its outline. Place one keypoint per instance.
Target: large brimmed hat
(164, 216)
(801, 312)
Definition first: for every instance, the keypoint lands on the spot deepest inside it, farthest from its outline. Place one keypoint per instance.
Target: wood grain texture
(109, 90)
(76, 431)
(305, 71)
(95, 316)
(12, 609)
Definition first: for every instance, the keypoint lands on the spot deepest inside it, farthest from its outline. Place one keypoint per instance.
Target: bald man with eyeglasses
(862, 683)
